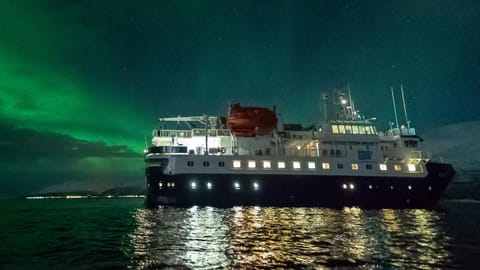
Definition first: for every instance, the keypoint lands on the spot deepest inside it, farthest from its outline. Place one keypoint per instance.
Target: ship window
(209, 185)
(281, 165)
(237, 164)
(236, 185)
(348, 129)
(324, 152)
(311, 165)
(341, 129)
(251, 164)
(410, 143)
(206, 164)
(368, 166)
(411, 167)
(383, 167)
(397, 167)
(296, 164)
(221, 164)
(361, 129)
(355, 129)
(338, 153)
(340, 165)
(267, 164)
(325, 165)
(335, 129)
(354, 166)
(190, 163)
(332, 152)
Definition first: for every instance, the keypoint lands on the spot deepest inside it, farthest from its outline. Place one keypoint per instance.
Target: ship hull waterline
(224, 190)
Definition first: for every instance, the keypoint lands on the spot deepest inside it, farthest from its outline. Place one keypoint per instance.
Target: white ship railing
(189, 133)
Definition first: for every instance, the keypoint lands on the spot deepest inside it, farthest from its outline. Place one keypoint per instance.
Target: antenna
(352, 107)
(405, 107)
(146, 145)
(394, 107)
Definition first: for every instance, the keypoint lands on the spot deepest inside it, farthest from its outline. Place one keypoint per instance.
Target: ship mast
(394, 107)
(405, 107)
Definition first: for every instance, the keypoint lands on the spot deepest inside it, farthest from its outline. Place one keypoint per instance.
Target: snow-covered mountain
(458, 144)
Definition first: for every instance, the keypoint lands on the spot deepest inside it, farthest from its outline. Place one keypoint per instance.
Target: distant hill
(458, 144)
(118, 191)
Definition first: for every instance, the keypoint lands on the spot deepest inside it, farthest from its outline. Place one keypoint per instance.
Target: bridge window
(334, 129)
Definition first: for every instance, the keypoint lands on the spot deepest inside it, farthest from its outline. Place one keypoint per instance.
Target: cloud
(22, 143)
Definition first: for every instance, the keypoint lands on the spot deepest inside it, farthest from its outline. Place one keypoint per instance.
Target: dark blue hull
(291, 190)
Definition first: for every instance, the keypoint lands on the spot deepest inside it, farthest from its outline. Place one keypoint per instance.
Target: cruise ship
(250, 157)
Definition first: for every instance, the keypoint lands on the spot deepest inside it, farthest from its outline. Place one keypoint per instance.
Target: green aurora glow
(104, 71)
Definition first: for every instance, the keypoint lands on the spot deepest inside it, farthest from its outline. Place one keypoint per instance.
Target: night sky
(83, 82)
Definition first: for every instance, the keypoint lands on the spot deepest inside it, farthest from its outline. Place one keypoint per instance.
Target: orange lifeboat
(251, 121)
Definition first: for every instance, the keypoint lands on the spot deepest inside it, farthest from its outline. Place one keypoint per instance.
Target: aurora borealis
(83, 82)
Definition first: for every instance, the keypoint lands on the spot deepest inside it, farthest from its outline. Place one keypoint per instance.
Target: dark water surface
(122, 233)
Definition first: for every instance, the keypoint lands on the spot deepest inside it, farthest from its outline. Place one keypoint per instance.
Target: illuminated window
(409, 187)
(411, 167)
(370, 187)
(334, 129)
(351, 186)
(361, 129)
(325, 165)
(344, 186)
(341, 129)
(256, 186)
(348, 129)
(237, 164)
(267, 164)
(383, 167)
(355, 129)
(311, 165)
(193, 185)
(354, 166)
(397, 167)
(296, 164)
(209, 185)
(160, 185)
(281, 165)
(251, 164)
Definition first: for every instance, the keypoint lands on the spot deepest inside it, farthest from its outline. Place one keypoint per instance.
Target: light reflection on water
(259, 237)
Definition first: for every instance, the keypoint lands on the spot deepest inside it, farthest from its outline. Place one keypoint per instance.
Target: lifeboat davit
(251, 121)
